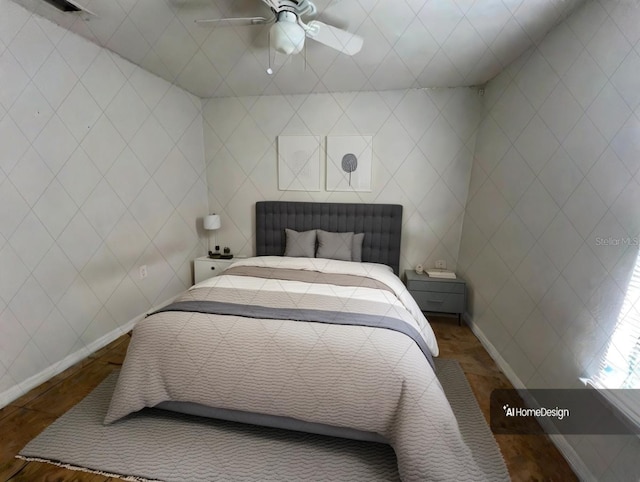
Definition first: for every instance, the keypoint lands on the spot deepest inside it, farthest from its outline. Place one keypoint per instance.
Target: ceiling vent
(68, 6)
(64, 5)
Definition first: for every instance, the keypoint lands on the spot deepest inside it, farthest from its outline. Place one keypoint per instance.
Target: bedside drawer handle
(436, 301)
(213, 267)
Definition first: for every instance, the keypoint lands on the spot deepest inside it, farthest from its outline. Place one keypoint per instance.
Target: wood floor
(528, 457)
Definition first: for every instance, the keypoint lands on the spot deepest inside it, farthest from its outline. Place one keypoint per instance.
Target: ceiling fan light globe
(287, 37)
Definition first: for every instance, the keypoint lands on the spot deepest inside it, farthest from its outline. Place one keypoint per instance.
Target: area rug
(159, 445)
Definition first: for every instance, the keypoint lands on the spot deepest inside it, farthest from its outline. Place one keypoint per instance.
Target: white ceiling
(407, 43)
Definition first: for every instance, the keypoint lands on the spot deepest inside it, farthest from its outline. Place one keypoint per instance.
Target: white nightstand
(205, 267)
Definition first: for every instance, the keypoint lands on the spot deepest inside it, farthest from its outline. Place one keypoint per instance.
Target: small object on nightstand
(215, 254)
(440, 273)
(437, 295)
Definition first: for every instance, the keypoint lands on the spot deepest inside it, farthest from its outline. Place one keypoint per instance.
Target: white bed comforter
(369, 379)
(379, 272)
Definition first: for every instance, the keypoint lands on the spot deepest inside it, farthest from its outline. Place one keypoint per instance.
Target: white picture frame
(349, 160)
(299, 167)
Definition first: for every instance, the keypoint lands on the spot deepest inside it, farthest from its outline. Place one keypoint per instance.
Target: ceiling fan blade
(226, 22)
(341, 40)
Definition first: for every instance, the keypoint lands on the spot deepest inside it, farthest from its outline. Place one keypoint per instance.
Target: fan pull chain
(305, 56)
(269, 69)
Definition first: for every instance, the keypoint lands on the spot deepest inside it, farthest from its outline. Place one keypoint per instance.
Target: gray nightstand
(437, 295)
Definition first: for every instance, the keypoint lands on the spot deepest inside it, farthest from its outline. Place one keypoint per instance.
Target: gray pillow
(301, 245)
(334, 245)
(356, 247)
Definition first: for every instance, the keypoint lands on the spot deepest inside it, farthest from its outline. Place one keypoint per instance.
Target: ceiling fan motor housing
(287, 36)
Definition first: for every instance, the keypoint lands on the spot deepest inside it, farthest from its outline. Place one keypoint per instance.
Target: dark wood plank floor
(528, 457)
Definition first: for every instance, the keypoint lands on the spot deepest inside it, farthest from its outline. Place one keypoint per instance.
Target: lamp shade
(212, 222)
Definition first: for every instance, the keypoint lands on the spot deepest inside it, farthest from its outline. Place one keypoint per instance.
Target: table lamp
(212, 223)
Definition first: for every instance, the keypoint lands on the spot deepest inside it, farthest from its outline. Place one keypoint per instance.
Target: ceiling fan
(288, 32)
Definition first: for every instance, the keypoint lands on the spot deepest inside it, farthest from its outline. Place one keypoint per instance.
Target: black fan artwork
(349, 164)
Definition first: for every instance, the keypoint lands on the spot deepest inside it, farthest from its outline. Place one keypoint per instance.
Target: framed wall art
(349, 160)
(299, 163)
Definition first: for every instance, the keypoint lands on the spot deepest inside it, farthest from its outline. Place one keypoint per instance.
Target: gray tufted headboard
(381, 223)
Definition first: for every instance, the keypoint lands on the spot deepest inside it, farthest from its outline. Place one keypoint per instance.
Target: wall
(422, 143)
(557, 167)
(101, 171)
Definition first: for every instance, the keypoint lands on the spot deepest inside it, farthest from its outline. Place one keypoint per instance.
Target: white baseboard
(561, 443)
(21, 388)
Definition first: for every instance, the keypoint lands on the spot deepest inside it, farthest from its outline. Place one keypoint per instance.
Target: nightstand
(437, 295)
(205, 267)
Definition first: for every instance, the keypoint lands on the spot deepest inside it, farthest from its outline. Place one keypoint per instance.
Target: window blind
(618, 376)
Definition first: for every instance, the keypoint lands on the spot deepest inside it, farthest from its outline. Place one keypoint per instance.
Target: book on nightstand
(440, 273)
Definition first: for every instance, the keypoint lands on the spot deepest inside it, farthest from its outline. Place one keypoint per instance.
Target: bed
(328, 346)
